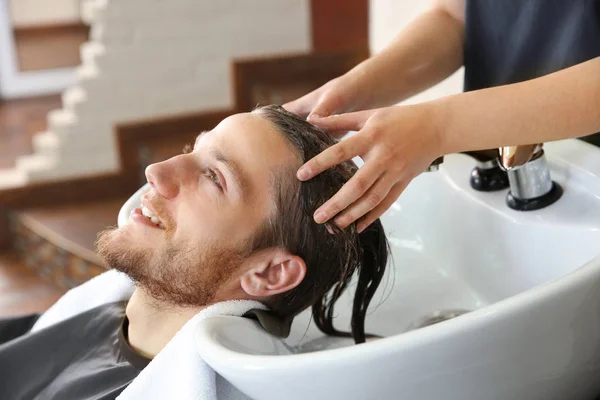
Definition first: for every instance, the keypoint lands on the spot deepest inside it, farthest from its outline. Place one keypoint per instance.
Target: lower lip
(137, 216)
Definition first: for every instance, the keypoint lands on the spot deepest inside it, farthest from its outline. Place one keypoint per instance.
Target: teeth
(148, 214)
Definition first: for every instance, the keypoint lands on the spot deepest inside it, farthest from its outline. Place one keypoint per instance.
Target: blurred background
(91, 92)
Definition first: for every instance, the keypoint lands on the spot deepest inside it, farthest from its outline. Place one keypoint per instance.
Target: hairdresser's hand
(339, 95)
(396, 144)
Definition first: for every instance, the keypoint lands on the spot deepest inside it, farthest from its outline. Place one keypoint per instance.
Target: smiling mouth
(148, 214)
(146, 217)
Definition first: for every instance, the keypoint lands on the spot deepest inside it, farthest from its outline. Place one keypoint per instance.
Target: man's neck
(152, 324)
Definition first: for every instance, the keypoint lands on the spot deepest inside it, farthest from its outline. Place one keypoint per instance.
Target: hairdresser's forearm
(427, 51)
(561, 105)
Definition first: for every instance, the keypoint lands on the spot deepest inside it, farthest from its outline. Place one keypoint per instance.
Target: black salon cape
(84, 357)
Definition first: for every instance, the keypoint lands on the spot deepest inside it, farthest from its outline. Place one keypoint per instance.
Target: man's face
(211, 202)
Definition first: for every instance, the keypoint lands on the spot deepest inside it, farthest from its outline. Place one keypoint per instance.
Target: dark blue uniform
(509, 41)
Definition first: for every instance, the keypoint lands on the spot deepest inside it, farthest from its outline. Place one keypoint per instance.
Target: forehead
(255, 145)
(251, 136)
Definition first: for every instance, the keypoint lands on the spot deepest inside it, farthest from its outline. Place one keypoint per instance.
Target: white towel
(178, 371)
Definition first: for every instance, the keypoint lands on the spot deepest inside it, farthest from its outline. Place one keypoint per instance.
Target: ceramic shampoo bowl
(526, 287)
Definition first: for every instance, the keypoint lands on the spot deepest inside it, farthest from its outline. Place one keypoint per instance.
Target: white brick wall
(149, 58)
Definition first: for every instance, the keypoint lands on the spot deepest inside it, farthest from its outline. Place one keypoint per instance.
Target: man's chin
(180, 274)
(120, 252)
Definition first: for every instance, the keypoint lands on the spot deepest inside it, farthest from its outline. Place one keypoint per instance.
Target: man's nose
(167, 177)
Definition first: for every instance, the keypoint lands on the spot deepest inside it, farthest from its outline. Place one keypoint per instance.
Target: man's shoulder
(12, 327)
(105, 311)
(106, 316)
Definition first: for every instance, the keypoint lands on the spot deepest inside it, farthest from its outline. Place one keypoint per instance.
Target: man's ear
(281, 273)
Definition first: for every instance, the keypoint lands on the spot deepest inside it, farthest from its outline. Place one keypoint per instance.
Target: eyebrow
(198, 137)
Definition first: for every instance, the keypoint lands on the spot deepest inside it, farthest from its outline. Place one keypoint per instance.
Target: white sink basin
(531, 281)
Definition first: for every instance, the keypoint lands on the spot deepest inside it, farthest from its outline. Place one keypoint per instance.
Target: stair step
(91, 10)
(61, 117)
(90, 50)
(97, 32)
(61, 122)
(35, 162)
(46, 143)
(59, 240)
(50, 145)
(77, 148)
(72, 97)
(19, 121)
(86, 72)
(12, 178)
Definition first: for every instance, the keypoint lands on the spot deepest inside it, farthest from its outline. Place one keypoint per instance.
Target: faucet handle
(512, 157)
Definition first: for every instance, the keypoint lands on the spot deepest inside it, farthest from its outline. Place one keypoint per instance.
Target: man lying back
(225, 220)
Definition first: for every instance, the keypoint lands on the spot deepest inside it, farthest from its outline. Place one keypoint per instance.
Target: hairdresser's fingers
(368, 201)
(352, 190)
(338, 134)
(332, 156)
(331, 102)
(303, 105)
(342, 122)
(322, 102)
(386, 203)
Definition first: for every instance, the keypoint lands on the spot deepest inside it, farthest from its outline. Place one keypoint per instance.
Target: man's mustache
(159, 209)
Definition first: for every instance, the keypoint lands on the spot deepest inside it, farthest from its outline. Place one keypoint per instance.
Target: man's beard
(181, 275)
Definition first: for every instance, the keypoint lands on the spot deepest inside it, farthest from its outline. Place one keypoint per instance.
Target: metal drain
(436, 317)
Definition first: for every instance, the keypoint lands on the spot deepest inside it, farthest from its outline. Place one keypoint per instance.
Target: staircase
(145, 60)
(19, 121)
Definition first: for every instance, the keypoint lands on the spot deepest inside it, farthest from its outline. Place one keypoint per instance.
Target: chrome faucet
(523, 169)
(531, 186)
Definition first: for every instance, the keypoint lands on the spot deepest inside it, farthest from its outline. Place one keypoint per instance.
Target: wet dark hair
(331, 259)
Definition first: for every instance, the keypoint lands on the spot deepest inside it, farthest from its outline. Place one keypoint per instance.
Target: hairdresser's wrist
(355, 88)
(367, 86)
(434, 126)
(444, 113)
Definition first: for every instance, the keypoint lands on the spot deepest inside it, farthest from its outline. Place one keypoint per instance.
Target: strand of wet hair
(374, 249)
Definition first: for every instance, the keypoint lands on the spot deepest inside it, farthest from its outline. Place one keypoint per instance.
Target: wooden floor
(49, 47)
(19, 121)
(21, 290)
